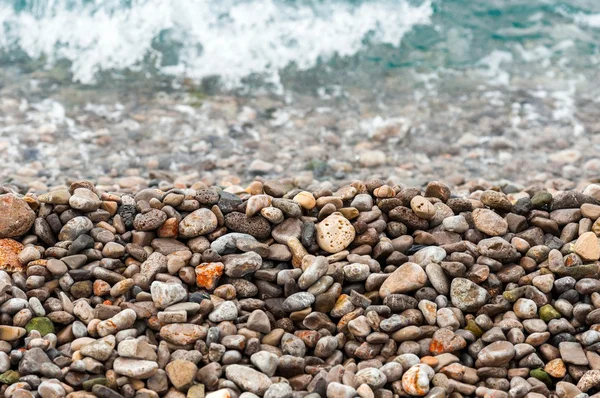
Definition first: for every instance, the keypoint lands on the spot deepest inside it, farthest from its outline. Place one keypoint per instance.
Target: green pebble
(9, 377)
(548, 313)
(41, 324)
(474, 328)
(88, 384)
(541, 199)
(541, 376)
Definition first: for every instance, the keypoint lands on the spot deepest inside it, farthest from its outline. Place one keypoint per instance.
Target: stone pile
(273, 291)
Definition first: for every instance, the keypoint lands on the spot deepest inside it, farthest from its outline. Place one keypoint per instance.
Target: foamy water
(200, 38)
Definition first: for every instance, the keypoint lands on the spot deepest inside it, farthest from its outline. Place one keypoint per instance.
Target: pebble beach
(272, 290)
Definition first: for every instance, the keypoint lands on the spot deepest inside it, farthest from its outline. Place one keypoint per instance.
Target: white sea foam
(229, 38)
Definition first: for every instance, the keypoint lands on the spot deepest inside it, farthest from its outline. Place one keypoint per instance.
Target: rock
(422, 207)
(572, 353)
(181, 373)
(149, 221)
(166, 294)
(135, 368)
(408, 277)
(199, 222)
(372, 158)
(226, 311)
(239, 265)
(11, 333)
(466, 295)
(490, 223)
(497, 353)
(183, 333)
(17, 217)
(298, 301)
(75, 227)
(335, 233)
(256, 226)
(9, 256)
(497, 248)
(42, 324)
(416, 379)
(587, 247)
(248, 379)
(136, 349)
(208, 275)
(120, 321)
(259, 322)
(100, 349)
(266, 362)
(338, 390)
(85, 200)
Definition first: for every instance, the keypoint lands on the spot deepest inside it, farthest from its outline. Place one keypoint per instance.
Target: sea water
(322, 47)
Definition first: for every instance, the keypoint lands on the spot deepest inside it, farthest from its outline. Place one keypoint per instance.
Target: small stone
(166, 294)
(226, 311)
(17, 217)
(408, 277)
(335, 233)
(100, 349)
(587, 247)
(135, 368)
(416, 379)
(259, 322)
(9, 256)
(208, 275)
(422, 207)
(298, 301)
(42, 324)
(75, 227)
(11, 333)
(338, 390)
(497, 353)
(466, 295)
(85, 200)
(572, 353)
(183, 333)
(239, 265)
(181, 373)
(248, 379)
(199, 222)
(490, 223)
(266, 362)
(556, 368)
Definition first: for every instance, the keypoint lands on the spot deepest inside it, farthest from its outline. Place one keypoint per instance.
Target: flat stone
(572, 353)
(135, 368)
(490, 223)
(166, 294)
(248, 379)
(408, 277)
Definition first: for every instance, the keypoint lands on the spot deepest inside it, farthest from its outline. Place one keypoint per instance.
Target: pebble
(248, 379)
(408, 277)
(17, 217)
(370, 289)
(489, 222)
(335, 233)
(199, 222)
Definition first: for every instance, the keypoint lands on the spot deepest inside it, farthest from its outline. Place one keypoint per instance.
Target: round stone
(490, 223)
(199, 222)
(17, 217)
(335, 233)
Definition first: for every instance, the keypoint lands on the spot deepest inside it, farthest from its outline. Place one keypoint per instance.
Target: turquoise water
(322, 47)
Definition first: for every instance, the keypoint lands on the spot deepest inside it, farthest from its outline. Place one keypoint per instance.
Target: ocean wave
(201, 38)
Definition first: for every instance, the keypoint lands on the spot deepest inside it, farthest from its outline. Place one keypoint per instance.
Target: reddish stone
(208, 274)
(9, 256)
